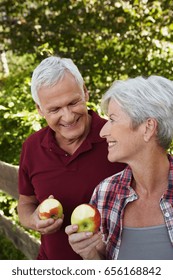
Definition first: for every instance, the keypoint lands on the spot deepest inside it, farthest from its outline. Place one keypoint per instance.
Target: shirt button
(167, 215)
(66, 155)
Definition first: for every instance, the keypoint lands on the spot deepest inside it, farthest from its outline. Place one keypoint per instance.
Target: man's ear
(86, 93)
(150, 129)
(39, 110)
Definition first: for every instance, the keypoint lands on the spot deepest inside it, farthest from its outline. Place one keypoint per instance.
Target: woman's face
(124, 142)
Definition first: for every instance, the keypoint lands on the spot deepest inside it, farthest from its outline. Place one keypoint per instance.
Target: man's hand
(87, 244)
(47, 226)
(28, 214)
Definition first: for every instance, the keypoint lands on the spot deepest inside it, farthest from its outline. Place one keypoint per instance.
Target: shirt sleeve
(94, 196)
(100, 200)
(25, 186)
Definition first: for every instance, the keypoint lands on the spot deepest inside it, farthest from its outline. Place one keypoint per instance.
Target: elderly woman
(136, 205)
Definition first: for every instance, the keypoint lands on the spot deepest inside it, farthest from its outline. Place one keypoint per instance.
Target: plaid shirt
(112, 195)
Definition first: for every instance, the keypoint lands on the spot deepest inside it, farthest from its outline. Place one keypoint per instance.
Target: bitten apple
(87, 217)
(50, 208)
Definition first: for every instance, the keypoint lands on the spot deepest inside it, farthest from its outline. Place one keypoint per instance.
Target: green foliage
(8, 250)
(8, 208)
(107, 39)
(18, 114)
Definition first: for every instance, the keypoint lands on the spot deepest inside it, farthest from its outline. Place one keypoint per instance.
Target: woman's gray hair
(142, 98)
(50, 71)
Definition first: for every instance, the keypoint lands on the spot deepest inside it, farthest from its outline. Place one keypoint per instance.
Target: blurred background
(107, 40)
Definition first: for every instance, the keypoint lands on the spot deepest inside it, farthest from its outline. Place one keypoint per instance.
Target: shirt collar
(169, 193)
(126, 178)
(124, 188)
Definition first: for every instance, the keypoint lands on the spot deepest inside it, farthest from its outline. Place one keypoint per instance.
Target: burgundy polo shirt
(46, 169)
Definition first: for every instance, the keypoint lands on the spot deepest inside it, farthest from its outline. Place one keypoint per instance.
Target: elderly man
(66, 159)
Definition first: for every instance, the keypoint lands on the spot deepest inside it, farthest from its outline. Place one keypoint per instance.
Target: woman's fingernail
(75, 227)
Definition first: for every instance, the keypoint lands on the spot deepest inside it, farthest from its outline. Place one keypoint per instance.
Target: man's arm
(28, 216)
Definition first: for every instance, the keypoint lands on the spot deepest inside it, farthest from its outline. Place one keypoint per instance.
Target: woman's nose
(105, 130)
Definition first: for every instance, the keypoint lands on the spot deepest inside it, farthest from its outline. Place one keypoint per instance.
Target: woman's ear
(39, 110)
(150, 129)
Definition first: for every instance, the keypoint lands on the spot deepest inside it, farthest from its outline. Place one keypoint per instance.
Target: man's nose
(67, 114)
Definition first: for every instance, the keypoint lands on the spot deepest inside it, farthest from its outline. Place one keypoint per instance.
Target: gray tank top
(148, 243)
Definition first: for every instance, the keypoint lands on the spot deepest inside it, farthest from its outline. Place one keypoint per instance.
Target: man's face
(64, 108)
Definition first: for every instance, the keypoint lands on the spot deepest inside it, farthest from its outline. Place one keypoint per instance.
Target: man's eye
(75, 102)
(54, 110)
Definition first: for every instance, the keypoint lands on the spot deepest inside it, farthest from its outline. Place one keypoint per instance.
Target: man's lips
(70, 125)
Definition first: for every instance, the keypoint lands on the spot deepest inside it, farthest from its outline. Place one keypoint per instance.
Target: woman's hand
(88, 245)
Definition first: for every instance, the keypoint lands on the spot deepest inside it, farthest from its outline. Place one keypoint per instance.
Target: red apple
(87, 217)
(50, 208)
